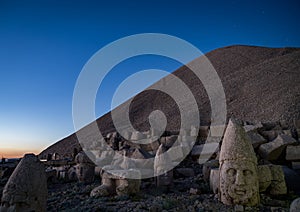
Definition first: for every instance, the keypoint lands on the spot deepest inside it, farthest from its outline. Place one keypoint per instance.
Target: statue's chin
(240, 195)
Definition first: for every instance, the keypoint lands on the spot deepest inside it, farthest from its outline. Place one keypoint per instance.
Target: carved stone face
(85, 172)
(239, 183)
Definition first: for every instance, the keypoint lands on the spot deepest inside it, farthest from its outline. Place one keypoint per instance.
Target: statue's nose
(240, 178)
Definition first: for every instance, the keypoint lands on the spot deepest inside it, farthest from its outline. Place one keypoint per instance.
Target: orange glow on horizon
(16, 153)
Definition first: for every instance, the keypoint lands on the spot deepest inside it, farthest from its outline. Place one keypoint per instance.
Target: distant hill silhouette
(260, 84)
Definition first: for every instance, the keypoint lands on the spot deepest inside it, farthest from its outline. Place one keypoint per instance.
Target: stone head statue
(26, 189)
(85, 168)
(238, 168)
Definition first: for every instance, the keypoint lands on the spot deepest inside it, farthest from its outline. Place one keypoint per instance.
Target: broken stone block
(162, 163)
(272, 150)
(214, 180)
(256, 139)
(278, 185)
(287, 132)
(295, 206)
(26, 189)
(269, 135)
(207, 166)
(265, 177)
(292, 153)
(251, 128)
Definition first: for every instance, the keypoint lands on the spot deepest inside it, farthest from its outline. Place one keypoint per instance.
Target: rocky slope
(260, 84)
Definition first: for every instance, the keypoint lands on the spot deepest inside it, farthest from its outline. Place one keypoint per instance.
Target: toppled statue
(239, 183)
(26, 189)
(85, 168)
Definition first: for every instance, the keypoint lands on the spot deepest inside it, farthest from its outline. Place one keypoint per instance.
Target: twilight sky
(45, 44)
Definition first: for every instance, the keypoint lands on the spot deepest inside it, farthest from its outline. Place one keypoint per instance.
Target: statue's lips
(240, 191)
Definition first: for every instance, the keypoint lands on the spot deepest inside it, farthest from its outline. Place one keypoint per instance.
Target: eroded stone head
(85, 168)
(26, 189)
(238, 168)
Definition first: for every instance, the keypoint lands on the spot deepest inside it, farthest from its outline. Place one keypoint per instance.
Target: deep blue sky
(45, 44)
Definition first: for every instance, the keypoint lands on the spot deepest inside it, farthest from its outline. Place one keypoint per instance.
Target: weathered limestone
(295, 206)
(161, 165)
(72, 176)
(253, 128)
(214, 180)
(238, 168)
(293, 153)
(272, 150)
(271, 179)
(256, 139)
(116, 184)
(85, 168)
(207, 167)
(26, 189)
(270, 135)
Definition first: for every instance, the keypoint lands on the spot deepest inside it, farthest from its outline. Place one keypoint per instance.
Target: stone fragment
(295, 206)
(256, 139)
(85, 168)
(26, 189)
(214, 180)
(239, 183)
(265, 177)
(193, 191)
(162, 170)
(255, 127)
(72, 176)
(207, 166)
(270, 135)
(292, 153)
(272, 150)
(278, 185)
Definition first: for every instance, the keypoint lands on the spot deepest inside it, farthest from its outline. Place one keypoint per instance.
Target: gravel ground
(75, 197)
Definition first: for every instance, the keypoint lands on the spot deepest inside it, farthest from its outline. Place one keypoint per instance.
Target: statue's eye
(247, 172)
(231, 172)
